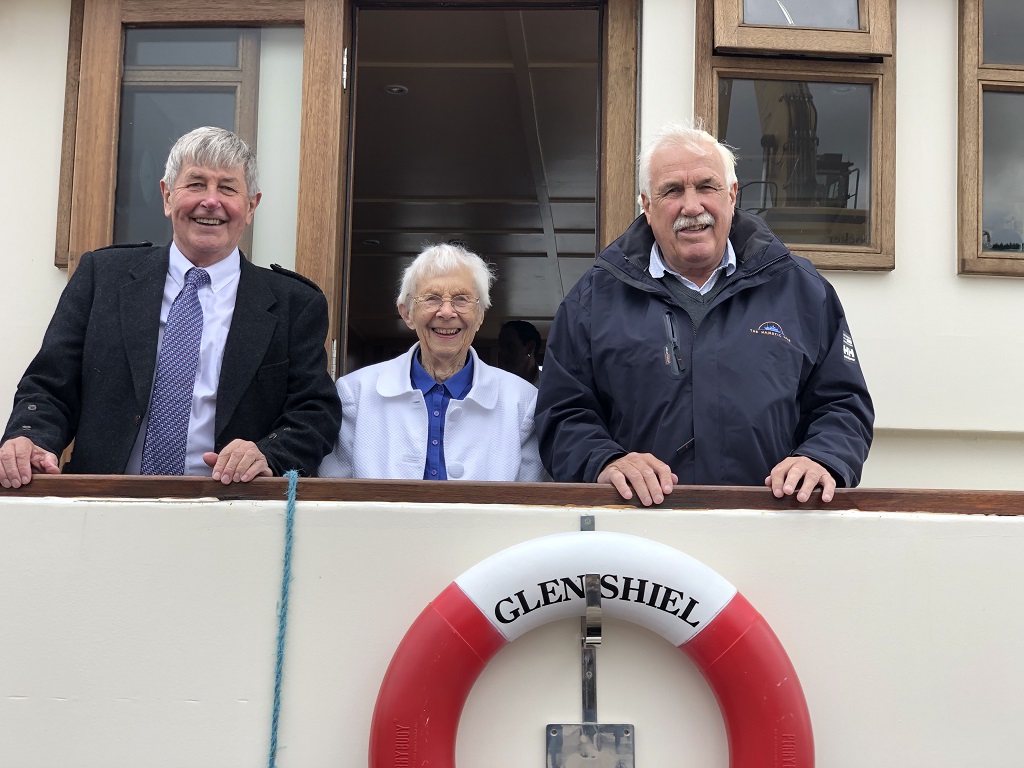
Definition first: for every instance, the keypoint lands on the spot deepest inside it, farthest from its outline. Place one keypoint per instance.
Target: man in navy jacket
(699, 350)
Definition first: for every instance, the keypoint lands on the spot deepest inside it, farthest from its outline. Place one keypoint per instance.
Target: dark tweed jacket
(91, 380)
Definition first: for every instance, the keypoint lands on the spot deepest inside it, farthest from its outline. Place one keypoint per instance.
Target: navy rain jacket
(771, 372)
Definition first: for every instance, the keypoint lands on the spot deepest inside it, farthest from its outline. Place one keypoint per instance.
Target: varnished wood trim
(179, 13)
(875, 38)
(92, 196)
(975, 79)
(323, 154)
(617, 198)
(542, 494)
(247, 96)
(881, 75)
(67, 148)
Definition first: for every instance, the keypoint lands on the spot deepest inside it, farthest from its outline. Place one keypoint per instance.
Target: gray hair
(213, 148)
(440, 259)
(690, 135)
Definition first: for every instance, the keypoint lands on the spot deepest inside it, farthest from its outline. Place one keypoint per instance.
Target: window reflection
(181, 48)
(820, 14)
(1003, 31)
(174, 80)
(151, 121)
(1002, 218)
(804, 156)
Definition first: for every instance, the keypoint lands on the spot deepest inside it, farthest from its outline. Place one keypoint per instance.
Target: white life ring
(421, 698)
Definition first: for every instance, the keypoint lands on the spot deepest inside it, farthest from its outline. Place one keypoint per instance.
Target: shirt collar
(458, 386)
(221, 273)
(658, 267)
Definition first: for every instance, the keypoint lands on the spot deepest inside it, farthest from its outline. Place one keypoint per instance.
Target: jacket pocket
(273, 371)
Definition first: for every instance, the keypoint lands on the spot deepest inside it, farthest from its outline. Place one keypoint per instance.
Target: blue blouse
(437, 396)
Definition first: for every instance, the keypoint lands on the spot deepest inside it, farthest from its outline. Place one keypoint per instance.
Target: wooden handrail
(545, 494)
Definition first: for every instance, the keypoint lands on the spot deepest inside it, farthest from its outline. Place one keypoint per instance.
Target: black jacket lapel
(141, 298)
(252, 328)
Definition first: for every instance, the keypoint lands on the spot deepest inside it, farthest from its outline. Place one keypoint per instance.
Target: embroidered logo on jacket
(770, 328)
(848, 351)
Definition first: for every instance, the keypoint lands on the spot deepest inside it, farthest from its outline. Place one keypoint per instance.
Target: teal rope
(282, 613)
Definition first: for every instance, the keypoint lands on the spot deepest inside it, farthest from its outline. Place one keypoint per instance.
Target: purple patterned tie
(164, 450)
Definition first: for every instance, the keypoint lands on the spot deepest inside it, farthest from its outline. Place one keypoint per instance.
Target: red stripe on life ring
(428, 681)
(762, 703)
(416, 718)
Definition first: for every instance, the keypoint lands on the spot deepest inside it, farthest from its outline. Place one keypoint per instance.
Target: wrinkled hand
(238, 462)
(20, 458)
(648, 475)
(802, 472)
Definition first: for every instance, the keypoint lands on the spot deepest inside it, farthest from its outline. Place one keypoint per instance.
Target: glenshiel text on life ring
(416, 718)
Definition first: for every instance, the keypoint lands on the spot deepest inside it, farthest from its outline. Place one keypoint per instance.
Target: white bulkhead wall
(941, 352)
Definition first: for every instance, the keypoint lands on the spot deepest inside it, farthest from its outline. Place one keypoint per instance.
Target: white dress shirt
(218, 302)
(657, 268)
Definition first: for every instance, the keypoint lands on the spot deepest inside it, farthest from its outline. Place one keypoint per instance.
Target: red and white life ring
(416, 718)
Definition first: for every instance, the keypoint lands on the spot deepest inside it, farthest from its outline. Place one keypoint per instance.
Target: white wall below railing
(143, 632)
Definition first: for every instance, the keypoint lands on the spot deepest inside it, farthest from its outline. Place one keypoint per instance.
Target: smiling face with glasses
(445, 313)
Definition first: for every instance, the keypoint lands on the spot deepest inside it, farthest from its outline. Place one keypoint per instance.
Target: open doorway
(478, 126)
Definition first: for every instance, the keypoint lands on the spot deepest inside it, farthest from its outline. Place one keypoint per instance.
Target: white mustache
(703, 220)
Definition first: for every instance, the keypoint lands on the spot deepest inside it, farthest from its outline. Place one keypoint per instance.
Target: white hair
(212, 148)
(690, 135)
(442, 259)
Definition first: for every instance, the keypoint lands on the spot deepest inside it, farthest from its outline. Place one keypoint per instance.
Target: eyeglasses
(460, 303)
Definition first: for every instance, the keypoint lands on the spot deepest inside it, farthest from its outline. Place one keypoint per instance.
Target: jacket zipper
(673, 353)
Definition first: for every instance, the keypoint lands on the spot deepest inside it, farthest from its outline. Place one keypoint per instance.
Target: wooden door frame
(92, 108)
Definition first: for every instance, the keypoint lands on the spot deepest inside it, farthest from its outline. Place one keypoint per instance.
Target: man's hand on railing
(20, 458)
(650, 477)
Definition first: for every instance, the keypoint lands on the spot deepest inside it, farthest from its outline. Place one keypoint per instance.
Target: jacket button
(26, 426)
(32, 407)
(272, 436)
(138, 420)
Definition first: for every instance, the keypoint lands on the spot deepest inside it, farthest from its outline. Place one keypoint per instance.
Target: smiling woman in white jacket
(438, 411)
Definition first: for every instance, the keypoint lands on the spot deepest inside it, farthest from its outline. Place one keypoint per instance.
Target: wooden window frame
(880, 74)
(976, 78)
(243, 77)
(874, 38)
(92, 109)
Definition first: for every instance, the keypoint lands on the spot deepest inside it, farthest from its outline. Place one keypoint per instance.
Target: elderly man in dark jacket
(183, 358)
(699, 350)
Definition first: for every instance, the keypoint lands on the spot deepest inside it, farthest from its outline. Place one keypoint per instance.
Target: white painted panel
(143, 633)
(33, 64)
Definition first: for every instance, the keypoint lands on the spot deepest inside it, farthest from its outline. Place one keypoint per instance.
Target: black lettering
(656, 588)
(506, 618)
(627, 588)
(521, 594)
(686, 611)
(547, 593)
(668, 601)
(609, 586)
(577, 587)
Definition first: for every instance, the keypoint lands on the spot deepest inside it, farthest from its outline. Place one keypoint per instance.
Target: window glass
(181, 47)
(152, 119)
(1003, 30)
(804, 156)
(1002, 219)
(820, 14)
